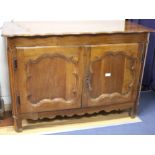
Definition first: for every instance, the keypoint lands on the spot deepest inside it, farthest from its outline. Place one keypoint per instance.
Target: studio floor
(144, 127)
(98, 124)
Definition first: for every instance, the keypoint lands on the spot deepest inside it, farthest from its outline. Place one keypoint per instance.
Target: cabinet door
(112, 74)
(49, 78)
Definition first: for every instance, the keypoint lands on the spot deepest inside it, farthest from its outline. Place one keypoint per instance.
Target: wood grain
(80, 40)
(118, 87)
(50, 78)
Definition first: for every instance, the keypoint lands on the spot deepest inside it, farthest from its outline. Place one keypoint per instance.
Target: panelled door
(112, 74)
(49, 78)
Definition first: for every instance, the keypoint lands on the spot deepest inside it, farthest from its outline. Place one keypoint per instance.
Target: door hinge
(15, 65)
(18, 100)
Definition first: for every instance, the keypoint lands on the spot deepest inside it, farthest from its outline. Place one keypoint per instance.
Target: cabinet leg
(18, 124)
(132, 112)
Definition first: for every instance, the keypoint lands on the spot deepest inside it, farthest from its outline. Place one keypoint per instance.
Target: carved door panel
(112, 74)
(49, 78)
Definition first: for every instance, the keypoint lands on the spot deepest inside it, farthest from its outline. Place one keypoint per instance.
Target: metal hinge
(18, 100)
(15, 65)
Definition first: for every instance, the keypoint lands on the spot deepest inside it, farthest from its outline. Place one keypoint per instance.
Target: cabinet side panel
(11, 51)
(143, 49)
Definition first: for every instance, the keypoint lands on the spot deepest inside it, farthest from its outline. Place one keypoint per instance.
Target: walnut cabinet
(74, 73)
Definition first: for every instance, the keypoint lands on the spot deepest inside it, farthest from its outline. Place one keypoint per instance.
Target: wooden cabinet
(67, 72)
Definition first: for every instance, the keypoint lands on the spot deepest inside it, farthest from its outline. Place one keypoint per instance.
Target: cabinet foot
(18, 125)
(132, 112)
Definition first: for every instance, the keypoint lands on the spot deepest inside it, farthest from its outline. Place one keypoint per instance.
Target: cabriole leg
(18, 124)
(132, 112)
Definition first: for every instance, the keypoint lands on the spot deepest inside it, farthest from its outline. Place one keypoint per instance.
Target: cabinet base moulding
(71, 113)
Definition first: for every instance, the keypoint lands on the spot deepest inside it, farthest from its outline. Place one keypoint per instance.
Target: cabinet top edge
(25, 29)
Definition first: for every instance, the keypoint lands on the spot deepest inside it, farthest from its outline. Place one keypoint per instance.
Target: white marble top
(11, 29)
